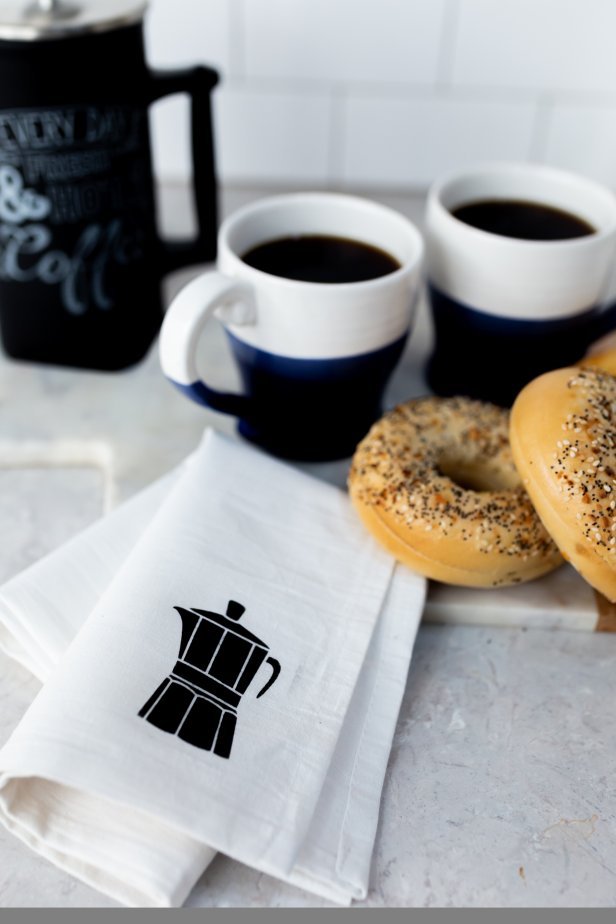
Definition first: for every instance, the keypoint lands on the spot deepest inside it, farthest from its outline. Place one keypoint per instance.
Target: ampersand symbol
(18, 204)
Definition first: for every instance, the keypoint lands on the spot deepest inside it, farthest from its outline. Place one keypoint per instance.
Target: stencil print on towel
(218, 660)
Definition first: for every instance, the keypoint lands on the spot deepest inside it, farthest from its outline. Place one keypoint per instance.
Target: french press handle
(198, 82)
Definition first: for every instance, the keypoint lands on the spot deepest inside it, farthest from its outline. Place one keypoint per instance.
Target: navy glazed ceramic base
(305, 410)
(490, 358)
(312, 410)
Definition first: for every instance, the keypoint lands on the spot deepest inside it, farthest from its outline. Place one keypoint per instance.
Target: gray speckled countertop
(500, 787)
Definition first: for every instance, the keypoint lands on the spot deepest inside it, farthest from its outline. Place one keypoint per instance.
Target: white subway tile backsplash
(272, 136)
(261, 136)
(583, 138)
(389, 93)
(184, 32)
(536, 45)
(344, 40)
(408, 142)
(169, 122)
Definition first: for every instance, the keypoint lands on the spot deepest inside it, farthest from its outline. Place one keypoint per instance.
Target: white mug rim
(520, 169)
(230, 224)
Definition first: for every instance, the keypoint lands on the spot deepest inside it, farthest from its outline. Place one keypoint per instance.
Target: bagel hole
(476, 475)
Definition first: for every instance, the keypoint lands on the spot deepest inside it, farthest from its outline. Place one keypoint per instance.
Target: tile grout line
(541, 126)
(236, 20)
(471, 93)
(337, 133)
(447, 45)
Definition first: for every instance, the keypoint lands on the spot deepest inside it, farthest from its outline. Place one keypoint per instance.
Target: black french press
(81, 261)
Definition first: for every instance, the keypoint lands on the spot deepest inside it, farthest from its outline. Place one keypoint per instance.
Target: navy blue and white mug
(506, 309)
(314, 357)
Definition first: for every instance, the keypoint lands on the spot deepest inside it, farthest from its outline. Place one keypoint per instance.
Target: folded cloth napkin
(43, 607)
(170, 728)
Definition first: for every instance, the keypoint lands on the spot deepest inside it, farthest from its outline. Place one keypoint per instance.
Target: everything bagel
(435, 483)
(563, 439)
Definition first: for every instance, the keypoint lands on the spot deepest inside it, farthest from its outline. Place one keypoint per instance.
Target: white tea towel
(309, 562)
(43, 607)
(336, 855)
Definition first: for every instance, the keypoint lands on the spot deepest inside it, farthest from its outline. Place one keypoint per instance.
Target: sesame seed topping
(585, 472)
(417, 462)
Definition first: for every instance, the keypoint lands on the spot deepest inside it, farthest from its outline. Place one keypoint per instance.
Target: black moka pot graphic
(217, 662)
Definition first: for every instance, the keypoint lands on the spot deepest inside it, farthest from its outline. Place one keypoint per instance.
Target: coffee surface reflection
(529, 221)
(321, 258)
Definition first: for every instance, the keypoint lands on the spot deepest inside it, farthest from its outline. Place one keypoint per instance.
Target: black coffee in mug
(314, 359)
(528, 221)
(528, 295)
(321, 258)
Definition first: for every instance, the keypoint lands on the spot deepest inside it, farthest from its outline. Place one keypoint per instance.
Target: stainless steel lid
(31, 20)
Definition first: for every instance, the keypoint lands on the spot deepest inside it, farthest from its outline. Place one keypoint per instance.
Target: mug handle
(198, 82)
(209, 294)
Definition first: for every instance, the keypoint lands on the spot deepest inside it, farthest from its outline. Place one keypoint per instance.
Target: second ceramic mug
(507, 309)
(314, 357)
